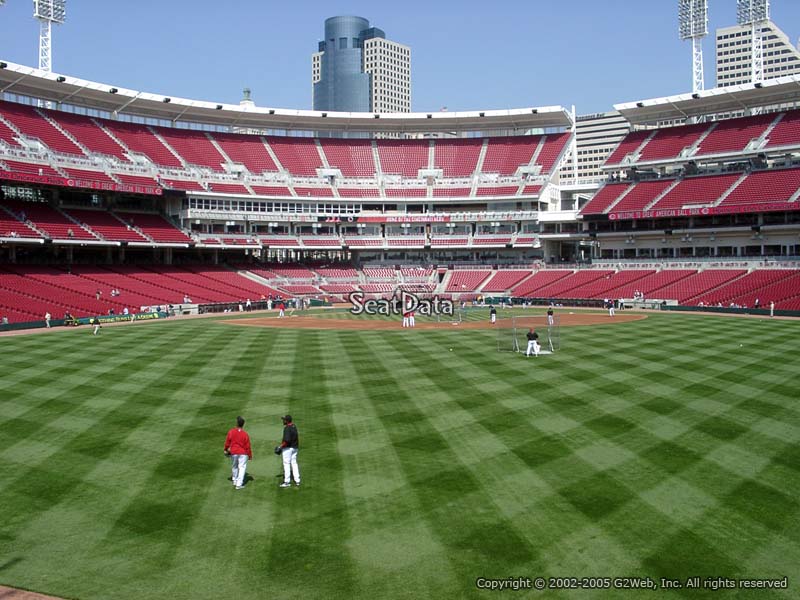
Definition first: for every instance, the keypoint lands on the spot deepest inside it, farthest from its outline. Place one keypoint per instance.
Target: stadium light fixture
(3, 65)
(61, 79)
(113, 90)
(754, 13)
(48, 12)
(693, 25)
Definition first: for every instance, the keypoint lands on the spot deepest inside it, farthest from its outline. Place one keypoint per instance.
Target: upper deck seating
(352, 157)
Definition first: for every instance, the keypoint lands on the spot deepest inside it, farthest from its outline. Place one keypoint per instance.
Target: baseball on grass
(451, 349)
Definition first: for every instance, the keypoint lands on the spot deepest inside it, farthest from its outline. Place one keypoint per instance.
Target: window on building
(343, 43)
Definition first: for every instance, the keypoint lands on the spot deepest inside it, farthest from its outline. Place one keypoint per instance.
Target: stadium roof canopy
(34, 83)
(736, 98)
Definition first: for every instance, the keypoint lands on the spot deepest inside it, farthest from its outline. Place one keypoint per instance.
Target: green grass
(656, 448)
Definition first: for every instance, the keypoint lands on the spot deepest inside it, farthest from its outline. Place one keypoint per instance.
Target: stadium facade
(174, 203)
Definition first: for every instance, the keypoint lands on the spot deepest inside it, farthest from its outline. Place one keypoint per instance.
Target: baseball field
(646, 451)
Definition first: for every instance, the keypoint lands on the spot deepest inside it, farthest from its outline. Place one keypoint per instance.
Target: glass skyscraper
(356, 69)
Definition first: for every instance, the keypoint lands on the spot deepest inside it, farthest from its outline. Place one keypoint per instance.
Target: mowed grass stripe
(67, 462)
(445, 488)
(322, 549)
(396, 554)
(76, 486)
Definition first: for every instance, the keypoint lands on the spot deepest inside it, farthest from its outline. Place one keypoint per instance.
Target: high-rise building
(596, 136)
(735, 54)
(356, 69)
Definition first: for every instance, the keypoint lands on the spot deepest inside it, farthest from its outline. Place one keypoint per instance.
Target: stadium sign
(703, 211)
(400, 303)
(150, 190)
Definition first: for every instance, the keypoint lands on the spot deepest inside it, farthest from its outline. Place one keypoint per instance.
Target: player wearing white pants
(533, 343)
(405, 319)
(290, 468)
(238, 469)
(237, 445)
(492, 315)
(289, 445)
(411, 321)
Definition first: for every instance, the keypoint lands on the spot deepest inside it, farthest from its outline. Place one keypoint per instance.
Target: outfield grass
(656, 448)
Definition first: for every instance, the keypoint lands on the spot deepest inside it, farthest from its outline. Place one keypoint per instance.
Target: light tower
(754, 13)
(48, 12)
(693, 25)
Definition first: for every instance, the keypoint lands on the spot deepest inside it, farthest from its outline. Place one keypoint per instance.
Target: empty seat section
(50, 220)
(764, 187)
(449, 240)
(669, 142)
(338, 288)
(733, 135)
(415, 192)
(86, 175)
(539, 280)
(106, 225)
(697, 284)
(504, 280)
(403, 157)
(406, 241)
(227, 188)
(466, 281)
(611, 285)
(248, 150)
(786, 132)
(359, 192)
(271, 190)
(182, 184)
(451, 192)
(564, 288)
(133, 293)
(630, 143)
(491, 240)
(457, 158)
(650, 284)
(604, 198)
(504, 155)
(379, 273)
(155, 226)
(7, 134)
(531, 189)
(34, 125)
(32, 168)
(86, 131)
(194, 147)
(11, 227)
(352, 157)
(697, 190)
(300, 273)
(363, 241)
(747, 288)
(223, 279)
(135, 179)
(301, 289)
(314, 192)
(298, 155)
(139, 139)
(641, 195)
(348, 274)
(502, 190)
(554, 145)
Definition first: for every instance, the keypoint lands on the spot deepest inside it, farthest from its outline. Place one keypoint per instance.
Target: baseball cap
(287, 419)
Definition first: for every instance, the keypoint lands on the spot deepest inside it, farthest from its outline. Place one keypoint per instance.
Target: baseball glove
(226, 453)
(278, 449)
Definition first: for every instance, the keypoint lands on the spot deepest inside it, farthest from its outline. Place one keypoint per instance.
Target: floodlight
(692, 18)
(693, 25)
(48, 12)
(752, 11)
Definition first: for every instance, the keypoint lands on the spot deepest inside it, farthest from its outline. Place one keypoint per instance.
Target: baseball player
(237, 447)
(492, 314)
(533, 343)
(405, 318)
(288, 450)
(610, 307)
(96, 323)
(550, 316)
(411, 321)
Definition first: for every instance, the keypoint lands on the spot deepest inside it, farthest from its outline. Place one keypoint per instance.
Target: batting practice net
(512, 332)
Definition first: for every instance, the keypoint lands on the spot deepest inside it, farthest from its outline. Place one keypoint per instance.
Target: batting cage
(512, 334)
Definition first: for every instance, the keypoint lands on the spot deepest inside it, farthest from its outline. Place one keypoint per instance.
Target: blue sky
(465, 55)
